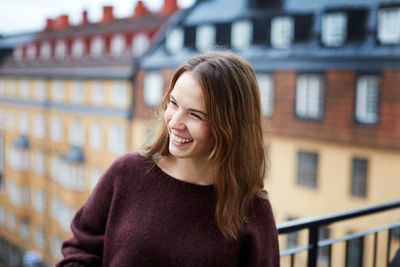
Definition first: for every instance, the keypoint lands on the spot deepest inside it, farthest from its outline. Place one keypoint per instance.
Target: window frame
(302, 157)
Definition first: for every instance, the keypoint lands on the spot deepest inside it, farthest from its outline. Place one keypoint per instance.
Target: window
(119, 96)
(359, 174)
(97, 47)
(40, 90)
(38, 163)
(118, 45)
(2, 87)
(388, 29)
(223, 35)
(76, 136)
(11, 221)
(242, 34)
(309, 97)
(57, 92)
(40, 237)
(205, 37)
(116, 139)
(55, 248)
(334, 29)
(24, 230)
(367, 99)
(78, 48)
(354, 252)
(1, 161)
(292, 240)
(174, 40)
(12, 88)
(31, 52)
(56, 129)
(23, 123)
(96, 136)
(2, 216)
(266, 93)
(18, 53)
(60, 50)
(77, 92)
(45, 51)
(307, 165)
(39, 129)
(24, 89)
(140, 44)
(153, 88)
(1, 120)
(10, 120)
(95, 176)
(98, 93)
(189, 37)
(282, 32)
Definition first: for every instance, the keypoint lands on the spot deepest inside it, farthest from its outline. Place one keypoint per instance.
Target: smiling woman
(195, 196)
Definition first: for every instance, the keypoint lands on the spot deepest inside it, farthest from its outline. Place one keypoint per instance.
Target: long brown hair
(235, 121)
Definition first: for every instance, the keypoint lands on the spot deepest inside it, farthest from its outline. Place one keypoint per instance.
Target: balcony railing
(314, 224)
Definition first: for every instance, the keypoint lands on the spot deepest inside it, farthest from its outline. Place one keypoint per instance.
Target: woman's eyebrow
(190, 109)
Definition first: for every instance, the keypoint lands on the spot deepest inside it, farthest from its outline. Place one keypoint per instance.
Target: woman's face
(187, 121)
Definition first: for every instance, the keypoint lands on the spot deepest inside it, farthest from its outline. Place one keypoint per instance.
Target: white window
(55, 168)
(97, 47)
(45, 51)
(61, 49)
(1, 160)
(153, 88)
(78, 48)
(282, 32)
(77, 92)
(23, 123)
(367, 99)
(96, 136)
(78, 175)
(76, 133)
(309, 96)
(242, 34)
(95, 175)
(140, 44)
(12, 88)
(11, 221)
(118, 45)
(98, 93)
(14, 193)
(174, 40)
(119, 96)
(18, 53)
(40, 237)
(31, 52)
(57, 91)
(55, 248)
(39, 129)
(40, 90)
(56, 205)
(56, 129)
(38, 163)
(39, 200)
(25, 196)
(116, 139)
(24, 230)
(205, 37)
(24, 89)
(10, 120)
(388, 25)
(334, 29)
(2, 120)
(266, 93)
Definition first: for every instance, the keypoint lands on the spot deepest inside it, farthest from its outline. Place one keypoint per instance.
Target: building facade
(329, 76)
(66, 112)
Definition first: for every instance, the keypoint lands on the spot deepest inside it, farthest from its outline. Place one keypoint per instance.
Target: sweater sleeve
(259, 247)
(88, 226)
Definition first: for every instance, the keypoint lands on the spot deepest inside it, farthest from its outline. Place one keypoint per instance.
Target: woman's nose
(177, 121)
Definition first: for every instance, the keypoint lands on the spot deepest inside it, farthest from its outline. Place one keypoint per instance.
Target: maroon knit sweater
(141, 216)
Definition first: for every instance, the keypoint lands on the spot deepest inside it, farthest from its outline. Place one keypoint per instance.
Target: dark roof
(12, 40)
(303, 55)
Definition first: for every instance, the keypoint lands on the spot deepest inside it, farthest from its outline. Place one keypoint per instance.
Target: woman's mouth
(180, 139)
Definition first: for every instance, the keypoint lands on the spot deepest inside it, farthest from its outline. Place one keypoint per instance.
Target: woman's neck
(187, 169)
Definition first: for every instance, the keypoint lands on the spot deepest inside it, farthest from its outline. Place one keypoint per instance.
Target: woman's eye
(196, 116)
(173, 102)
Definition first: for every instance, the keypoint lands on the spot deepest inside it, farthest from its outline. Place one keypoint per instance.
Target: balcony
(375, 246)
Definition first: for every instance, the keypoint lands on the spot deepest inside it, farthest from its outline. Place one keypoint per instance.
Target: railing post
(313, 242)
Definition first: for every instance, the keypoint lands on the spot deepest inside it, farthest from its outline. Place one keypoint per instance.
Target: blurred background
(79, 82)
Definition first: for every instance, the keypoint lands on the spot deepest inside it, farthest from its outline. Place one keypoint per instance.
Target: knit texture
(140, 216)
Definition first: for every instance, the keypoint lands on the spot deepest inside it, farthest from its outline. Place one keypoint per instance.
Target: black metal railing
(314, 224)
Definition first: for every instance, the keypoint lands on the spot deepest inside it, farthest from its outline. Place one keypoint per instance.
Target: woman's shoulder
(261, 213)
(129, 161)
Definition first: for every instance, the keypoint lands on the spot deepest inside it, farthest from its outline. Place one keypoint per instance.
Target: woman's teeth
(180, 140)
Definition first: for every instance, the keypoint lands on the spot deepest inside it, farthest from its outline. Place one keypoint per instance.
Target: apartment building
(66, 112)
(329, 76)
